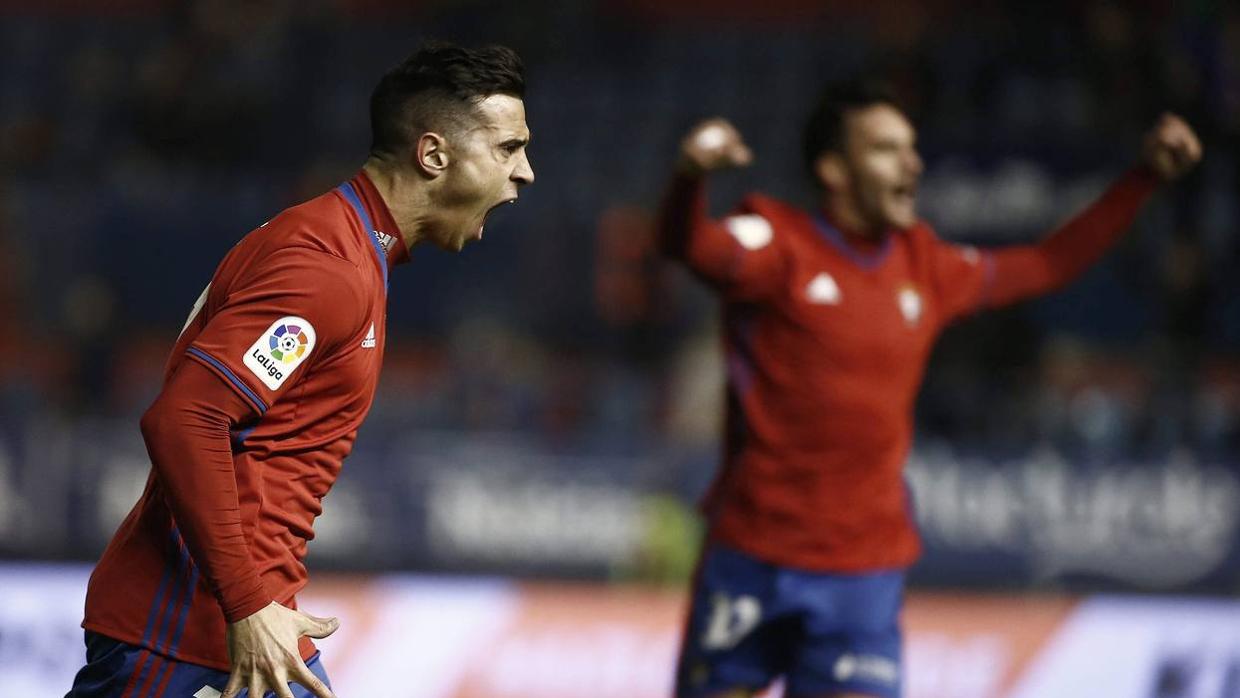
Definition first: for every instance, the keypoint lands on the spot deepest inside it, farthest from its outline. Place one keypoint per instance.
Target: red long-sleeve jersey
(263, 395)
(826, 341)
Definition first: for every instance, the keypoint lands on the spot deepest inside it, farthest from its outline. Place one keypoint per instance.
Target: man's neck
(405, 196)
(844, 216)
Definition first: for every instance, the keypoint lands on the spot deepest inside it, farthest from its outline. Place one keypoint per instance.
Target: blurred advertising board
(461, 637)
(512, 504)
(1040, 518)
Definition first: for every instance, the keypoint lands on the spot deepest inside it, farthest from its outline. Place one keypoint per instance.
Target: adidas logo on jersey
(385, 241)
(369, 342)
(823, 290)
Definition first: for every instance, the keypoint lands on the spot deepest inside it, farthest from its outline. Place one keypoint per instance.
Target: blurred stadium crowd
(139, 142)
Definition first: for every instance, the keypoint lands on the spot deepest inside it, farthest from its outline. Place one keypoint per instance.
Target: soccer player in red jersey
(265, 389)
(829, 317)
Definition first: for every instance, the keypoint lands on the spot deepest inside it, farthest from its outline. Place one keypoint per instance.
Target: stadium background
(517, 517)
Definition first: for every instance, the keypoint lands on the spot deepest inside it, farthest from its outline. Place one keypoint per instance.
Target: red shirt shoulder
(320, 225)
(295, 275)
(780, 214)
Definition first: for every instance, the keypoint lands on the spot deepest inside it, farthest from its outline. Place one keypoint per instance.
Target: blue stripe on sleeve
(245, 390)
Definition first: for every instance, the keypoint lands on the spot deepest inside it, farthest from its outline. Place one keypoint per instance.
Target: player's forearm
(683, 207)
(1023, 272)
(187, 437)
(687, 233)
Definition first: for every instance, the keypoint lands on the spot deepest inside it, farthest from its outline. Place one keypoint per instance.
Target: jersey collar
(865, 258)
(388, 233)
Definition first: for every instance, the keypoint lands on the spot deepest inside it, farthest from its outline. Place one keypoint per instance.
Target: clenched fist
(714, 144)
(1170, 148)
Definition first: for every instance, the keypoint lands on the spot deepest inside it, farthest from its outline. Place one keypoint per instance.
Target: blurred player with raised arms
(829, 318)
(265, 389)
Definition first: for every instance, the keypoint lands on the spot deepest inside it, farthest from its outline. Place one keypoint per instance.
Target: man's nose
(913, 162)
(524, 172)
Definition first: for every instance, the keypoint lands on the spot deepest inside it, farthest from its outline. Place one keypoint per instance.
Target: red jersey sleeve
(962, 276)
(276, 318)
(188, 437)
(1030, 270)
(265, 322)
(742, 255)
(968, 279)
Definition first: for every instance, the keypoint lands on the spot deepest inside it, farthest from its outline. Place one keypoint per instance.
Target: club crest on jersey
(910, 303)
(823, 290)
(280, 350)
(752, 231)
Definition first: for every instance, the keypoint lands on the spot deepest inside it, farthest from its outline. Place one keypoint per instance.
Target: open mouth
(491, 210)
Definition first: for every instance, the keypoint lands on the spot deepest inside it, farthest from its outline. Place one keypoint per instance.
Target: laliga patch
(752, 231)
(280, 350)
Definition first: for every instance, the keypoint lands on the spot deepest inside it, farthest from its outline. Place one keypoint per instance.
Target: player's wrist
(1144, 174)
(237, 609)
(688, 168)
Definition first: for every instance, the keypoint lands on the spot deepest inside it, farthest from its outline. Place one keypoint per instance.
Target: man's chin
(901, 220)
(455, 243)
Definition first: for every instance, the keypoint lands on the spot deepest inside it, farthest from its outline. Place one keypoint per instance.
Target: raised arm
(1169, 150)
(736, 255)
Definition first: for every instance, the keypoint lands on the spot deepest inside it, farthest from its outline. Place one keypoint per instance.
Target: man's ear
(831, 171)
(431, 154)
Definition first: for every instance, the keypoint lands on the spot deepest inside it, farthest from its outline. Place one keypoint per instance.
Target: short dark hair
(437, 88)
(824, 130)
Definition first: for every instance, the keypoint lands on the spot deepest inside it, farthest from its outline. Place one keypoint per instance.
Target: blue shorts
(752, 622)
(120, 670)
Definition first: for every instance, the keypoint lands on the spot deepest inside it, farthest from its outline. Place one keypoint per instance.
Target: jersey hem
(901, 562)
(178, 656)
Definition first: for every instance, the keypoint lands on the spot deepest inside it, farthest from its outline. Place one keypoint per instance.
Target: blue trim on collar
(350, 194)
(836, 238)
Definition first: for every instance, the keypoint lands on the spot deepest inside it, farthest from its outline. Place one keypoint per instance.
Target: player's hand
(712, 145)
(1170, 148)
(263, 650)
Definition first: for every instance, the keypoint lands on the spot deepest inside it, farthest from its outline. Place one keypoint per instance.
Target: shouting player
(829, 317)
(266, 387)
